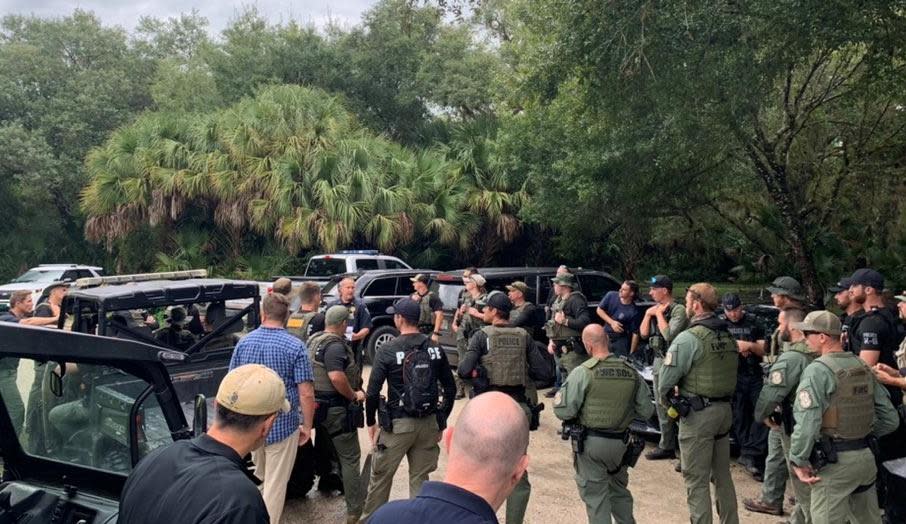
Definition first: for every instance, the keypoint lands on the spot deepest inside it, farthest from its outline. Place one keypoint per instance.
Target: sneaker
(678, 468)
(551, 393)
(660, 454)
(759, 506)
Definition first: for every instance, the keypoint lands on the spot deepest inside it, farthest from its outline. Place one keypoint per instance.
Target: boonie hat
(177, 316)
(407, 308)
(54, 285)
(497, 300)
(419, 278)
(661, 281)
(867, 277)
(519, 286)
(566, 279)
(787, 286)
(253, 389)
(335, 315)
(842, 285)
(731, 301)
(820, 322)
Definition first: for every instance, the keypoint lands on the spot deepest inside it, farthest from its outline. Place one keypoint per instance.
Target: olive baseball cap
(335, 315)
(419, 278)
(820, 322)
(519, 286)
(253, 389)
(787, 286)
(566, 279)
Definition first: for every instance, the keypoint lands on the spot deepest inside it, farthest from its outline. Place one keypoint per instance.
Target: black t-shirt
(44, 310)
(192, 482)
(316, 325)
(388, 366)
(333, 356)
(434, 303)
(878, 331)
(750, 330)
(850, 323)
(9, 317)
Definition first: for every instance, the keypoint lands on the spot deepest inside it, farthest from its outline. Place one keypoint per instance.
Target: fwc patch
(805, 399)
(777, 378)
(668, 359)
(558, 398)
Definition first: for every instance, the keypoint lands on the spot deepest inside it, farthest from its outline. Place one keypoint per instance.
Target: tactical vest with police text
(851, 411)
(610, 397)
(714, 375)
(505, 360)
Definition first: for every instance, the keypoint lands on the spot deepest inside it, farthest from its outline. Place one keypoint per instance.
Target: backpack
(420, 392)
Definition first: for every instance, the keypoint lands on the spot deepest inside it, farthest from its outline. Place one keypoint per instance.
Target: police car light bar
(141, 277)
(360, 252)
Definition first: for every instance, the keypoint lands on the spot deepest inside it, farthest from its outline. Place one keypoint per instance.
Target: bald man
(601, 397)
(485, 463)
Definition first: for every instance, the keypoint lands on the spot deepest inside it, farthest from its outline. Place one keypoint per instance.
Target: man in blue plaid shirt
(272, 346)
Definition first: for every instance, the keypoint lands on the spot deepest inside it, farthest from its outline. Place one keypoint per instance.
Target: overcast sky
(218, 12)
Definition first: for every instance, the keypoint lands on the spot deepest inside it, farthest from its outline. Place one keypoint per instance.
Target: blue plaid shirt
(288, 357)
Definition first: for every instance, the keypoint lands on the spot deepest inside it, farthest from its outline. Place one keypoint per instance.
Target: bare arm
(341, 384)
(307, 401)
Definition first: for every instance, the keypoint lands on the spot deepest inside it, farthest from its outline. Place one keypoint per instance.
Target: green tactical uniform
(779, 391)
(468, 325)
(604, 396)
(526, 309)
(426, 315)
(299, 323)
(569, 336)
(839, 398)
(345, 438)
(703, 362)
(659, 342)
(9, 390)
(776, 471)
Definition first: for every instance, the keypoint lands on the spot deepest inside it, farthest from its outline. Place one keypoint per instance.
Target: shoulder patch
(668, 358)
(805, 399)
(558, 398)
(777, 377)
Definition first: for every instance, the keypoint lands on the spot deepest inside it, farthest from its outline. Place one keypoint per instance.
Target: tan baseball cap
(819, 322)
(253, 389)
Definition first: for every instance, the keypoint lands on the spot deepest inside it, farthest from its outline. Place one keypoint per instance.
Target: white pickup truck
(321, 268)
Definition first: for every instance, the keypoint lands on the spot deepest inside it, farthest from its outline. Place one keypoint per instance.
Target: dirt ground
(658, 490)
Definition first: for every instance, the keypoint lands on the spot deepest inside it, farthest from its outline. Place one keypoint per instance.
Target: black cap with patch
(842, 285)
(662, 281)
(867, 277)
(731, 301)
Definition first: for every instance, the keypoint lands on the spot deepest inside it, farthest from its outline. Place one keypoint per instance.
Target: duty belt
(616, 435)
(331, 400)
(850, 444)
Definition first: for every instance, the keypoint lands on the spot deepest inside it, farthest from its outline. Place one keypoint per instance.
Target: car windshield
(39, 275)
(325, 267)
(83, 418)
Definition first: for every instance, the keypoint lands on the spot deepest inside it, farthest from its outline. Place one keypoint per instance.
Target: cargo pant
(572, 358)
(802, 512)
(704, 440)
(350, 455)
(9, 390)
(605, 495)
(413, 438)
(775, 471)
(834, 498)
(667, 424)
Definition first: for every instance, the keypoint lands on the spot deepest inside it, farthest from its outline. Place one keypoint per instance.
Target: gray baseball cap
(820, 322)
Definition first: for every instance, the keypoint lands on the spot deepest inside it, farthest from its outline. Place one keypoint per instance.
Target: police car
(38, 278)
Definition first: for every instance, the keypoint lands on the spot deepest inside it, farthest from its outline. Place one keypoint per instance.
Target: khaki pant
(704, 440)
(802, 512)
(273, 465)
(413, 438)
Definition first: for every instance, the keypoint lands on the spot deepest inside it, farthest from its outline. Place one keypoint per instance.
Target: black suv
(379, 290)
(132, 407)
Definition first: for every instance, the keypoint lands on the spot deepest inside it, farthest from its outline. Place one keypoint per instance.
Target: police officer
(775, 403)
(307, 320)
(838, 406)
(432, 309)
(786, 293)
(893, 376)
(603, 396)
(701, 362)
(467, 320)
(852, 310)
(660, 325)
(751, 434)
(339, 396)
(569, 316)
(525, 314)
(359, 318)
(877, 337)
(414, 416)
(506, 360)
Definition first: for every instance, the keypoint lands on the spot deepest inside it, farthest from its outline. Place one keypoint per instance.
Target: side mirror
(200, 423)
(56, 379)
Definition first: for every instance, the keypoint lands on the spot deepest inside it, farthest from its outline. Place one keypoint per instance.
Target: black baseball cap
(731, 301)
(662, 281)
(497, 300)
(867, 277)
(842, 285)
(406, 308)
